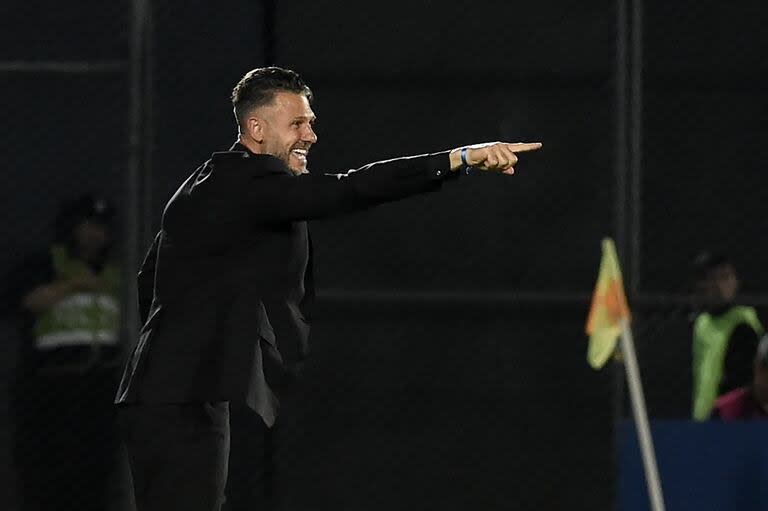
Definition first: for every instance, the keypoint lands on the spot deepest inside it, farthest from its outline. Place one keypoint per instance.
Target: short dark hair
(258, 87)
(705, 262)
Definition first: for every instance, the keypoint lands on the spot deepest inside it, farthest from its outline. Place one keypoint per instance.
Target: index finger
(522, 147)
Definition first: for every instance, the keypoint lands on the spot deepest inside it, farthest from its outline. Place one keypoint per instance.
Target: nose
(309, 135)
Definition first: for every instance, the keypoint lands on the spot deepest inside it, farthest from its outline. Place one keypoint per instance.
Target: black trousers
(178, 454)
(251, 482)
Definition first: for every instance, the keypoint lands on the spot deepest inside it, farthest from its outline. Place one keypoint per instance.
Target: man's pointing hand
(492, 156)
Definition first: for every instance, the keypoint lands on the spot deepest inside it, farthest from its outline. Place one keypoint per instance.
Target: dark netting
(702, 183)
(65, 80)
(448, 355)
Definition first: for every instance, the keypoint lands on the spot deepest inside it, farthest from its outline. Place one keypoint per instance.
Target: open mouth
(300, 154)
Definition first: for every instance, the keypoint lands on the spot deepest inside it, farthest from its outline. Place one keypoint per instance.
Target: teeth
(302, 152)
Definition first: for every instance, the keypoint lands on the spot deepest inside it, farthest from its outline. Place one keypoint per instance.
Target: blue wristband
(466, 167)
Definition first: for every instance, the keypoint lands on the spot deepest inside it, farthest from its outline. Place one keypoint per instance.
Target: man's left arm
(278, 197)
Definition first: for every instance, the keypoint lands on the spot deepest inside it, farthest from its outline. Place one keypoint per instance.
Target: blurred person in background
(751, 401)
(725, 335)
(226, 289)
(67, 308)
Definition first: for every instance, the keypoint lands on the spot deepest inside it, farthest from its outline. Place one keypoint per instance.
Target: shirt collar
(237, 146)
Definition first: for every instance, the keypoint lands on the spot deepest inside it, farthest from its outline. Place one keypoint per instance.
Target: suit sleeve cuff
(439, 167)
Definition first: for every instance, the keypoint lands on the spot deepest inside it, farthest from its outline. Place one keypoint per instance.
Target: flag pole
(641, 418)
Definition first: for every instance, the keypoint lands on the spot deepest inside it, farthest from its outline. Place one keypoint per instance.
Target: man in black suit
(225, 290)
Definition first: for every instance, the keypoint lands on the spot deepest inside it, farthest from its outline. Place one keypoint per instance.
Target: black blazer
(225, 291)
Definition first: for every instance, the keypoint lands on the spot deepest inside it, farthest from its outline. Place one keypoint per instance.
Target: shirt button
(439, 172)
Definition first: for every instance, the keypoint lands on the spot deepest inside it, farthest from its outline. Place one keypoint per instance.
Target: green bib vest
(82, 318)
(710, 344)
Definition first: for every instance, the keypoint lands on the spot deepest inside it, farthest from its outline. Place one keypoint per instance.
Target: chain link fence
(702, 174)
(65, 74)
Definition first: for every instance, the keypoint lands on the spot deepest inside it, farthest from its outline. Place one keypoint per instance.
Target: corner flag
(609, 306)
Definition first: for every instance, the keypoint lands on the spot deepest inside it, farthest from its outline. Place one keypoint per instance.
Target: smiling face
(283, 128)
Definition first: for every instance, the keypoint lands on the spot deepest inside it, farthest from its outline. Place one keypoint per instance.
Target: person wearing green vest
(725, 335)
(68, 311)
(749, 402)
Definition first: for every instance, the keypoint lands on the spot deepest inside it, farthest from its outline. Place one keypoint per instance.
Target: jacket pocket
(263, 326)
(267, 334)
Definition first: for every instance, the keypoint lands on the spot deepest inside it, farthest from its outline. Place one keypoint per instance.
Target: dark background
(475, 297)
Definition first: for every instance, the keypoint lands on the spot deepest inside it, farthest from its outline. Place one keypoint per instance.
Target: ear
(254, 127)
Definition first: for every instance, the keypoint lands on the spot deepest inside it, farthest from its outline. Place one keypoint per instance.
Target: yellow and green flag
(609, 306)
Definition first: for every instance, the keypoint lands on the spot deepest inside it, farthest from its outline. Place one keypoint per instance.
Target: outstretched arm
(243, 190)
(278, 197)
